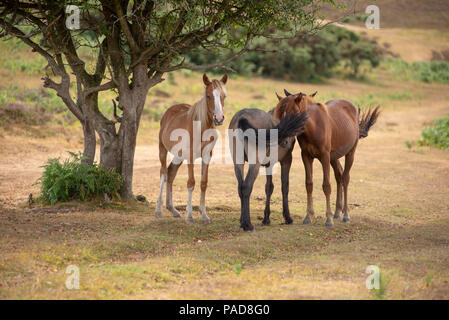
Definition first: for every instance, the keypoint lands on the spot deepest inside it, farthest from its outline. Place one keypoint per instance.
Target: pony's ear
(224, 79)
(298, 98)
(206, 80)
(314, 94)
(287, 93)
(279, 97)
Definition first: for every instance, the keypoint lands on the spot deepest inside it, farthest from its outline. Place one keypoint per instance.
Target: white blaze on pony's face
(215, 95)
(218, 111)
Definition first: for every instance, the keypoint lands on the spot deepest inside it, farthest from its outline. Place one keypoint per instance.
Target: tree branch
(105, 86)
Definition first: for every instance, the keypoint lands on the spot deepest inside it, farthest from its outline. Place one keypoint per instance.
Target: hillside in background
(416, 14)
(412, 30)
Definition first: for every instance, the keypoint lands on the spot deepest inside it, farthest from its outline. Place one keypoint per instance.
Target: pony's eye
(208, 97)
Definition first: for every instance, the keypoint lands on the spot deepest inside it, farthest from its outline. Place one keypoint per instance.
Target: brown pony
(206, 113)
(332, 131)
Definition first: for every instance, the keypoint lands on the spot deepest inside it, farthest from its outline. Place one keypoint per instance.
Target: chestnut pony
(208, 112)
(332, 131)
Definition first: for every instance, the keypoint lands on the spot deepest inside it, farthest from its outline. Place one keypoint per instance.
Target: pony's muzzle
(218, 122)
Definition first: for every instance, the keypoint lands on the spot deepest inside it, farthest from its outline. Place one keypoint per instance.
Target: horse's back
(258, 118)
(173, 112)
(173, 118)
(339, 107)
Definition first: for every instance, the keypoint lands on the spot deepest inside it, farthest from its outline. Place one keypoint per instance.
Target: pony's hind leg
(308, 166)
(245, 191)
(163, 174)
(204, 174)
(190, 187)
(238, 170)
(285, 172)
(349, 160)
(338, 172)
(269, 187)
(171, 174)
(325, 162)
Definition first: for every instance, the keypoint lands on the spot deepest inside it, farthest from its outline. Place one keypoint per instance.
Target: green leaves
(300, 58)
(73, 180)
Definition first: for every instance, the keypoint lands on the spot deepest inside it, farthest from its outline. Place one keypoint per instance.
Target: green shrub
(71, 179)
(437, 135)
(306, 59)
(423, 71)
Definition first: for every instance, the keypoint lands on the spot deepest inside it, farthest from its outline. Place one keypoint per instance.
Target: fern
(71, 179)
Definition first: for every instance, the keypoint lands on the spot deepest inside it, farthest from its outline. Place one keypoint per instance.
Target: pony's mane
(285, 108)
(199, 112)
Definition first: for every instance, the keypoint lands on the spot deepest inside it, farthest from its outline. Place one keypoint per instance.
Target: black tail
(367, 120)
(291, 125)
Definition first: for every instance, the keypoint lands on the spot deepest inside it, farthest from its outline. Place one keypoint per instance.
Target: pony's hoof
(336, 216)
(288, 220)
(158, 213)
(189, 220)
(266, 222)
(174, 212)
(205, 221)
(307, 220)
(346, 219)
(247, 227)
(329, 223)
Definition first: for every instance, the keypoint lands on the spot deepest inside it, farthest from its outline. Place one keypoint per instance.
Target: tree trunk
(106, 131)
(109, 146)
(127, 142)
(90, 142)
(127, 154)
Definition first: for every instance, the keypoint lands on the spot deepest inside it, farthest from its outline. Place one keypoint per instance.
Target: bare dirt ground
(399, 209)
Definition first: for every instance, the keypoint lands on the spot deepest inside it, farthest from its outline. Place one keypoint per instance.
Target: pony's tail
(291, 125)
(244, 125)
(367, 120)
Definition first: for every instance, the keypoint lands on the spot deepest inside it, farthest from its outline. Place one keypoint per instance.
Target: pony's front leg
(285, 172)
(190, 187)
(163, 174)
(204, 173)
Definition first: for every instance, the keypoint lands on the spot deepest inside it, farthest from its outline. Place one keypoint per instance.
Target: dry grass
(399, 217)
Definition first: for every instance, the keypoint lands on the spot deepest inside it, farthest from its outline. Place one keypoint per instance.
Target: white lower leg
(158, 211)
(170, 202)
(189, 205)
(205, 218)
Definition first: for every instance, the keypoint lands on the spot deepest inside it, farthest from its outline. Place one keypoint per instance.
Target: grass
(384, 281)
(437, 135)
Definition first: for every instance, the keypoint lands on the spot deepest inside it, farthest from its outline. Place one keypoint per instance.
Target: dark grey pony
(288, 128)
